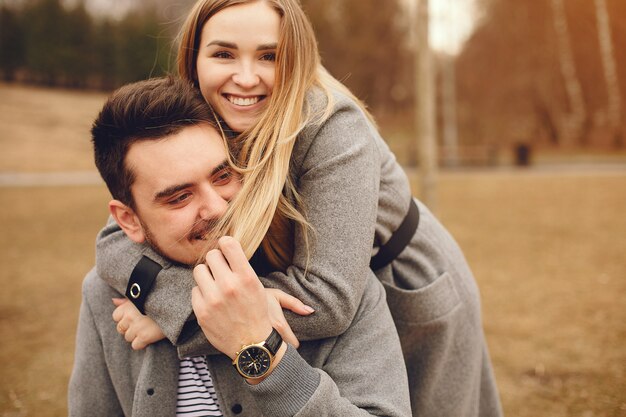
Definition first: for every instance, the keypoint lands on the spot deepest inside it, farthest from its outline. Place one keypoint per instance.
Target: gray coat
(356, 195)
(360, 372)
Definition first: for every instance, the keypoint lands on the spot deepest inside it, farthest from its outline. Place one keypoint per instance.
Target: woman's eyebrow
(231, 45)
(266, 46)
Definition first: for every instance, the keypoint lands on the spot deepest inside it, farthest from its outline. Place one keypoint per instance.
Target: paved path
(49, 179)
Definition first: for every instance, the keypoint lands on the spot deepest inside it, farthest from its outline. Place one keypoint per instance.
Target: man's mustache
(202, 228)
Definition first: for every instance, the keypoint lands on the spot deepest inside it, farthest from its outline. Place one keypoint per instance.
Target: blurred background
(510, 126)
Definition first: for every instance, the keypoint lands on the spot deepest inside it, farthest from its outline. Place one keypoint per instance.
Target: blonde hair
(268, 207)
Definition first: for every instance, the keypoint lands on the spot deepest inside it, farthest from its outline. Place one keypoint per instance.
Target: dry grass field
(547, 248)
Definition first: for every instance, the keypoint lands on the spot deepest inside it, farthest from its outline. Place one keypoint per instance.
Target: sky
(452, 22)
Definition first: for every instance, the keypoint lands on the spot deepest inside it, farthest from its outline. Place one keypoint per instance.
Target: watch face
(253, 362)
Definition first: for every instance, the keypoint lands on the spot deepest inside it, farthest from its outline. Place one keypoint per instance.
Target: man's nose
(246, 75)
(213, 206)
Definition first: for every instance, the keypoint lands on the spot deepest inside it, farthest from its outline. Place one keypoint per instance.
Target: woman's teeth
(243, 101)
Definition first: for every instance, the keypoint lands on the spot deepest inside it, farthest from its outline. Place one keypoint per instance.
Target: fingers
(138, 344)
(119, 301)
(204, 279)
(234, 254)
(278, 321)
(130, 334)
(289, 302)
(121, 328)
(286, 333)
(217, 264)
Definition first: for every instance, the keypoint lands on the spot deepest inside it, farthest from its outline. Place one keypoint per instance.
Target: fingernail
(309, 309)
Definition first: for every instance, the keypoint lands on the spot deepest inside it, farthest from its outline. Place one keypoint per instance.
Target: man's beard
(199, 231)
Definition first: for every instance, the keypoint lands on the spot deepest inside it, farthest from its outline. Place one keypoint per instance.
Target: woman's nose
(246, 75)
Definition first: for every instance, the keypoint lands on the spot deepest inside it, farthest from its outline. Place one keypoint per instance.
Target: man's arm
(361, 373)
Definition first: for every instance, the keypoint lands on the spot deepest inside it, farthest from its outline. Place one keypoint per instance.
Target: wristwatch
(254, 361)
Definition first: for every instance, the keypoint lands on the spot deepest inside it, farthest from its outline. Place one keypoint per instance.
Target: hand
(139, 330)
(230, 302)
(277, 301)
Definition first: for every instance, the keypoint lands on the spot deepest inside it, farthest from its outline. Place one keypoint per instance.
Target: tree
(11, 43)
(77, 47)
(364, 44)
(142, 50)
(43, 28)
(425, 106)
(614, 106)
(573, 121)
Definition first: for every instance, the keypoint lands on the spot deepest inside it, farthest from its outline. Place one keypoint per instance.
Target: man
(165, 163)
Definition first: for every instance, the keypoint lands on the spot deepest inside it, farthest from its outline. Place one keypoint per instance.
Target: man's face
(182, 186)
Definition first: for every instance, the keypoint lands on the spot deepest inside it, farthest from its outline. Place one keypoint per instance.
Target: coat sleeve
(90, 391)
(169, 301)
(364, 373)
(337, 173)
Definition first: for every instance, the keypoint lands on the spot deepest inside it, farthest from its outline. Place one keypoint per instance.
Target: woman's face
(236, 61)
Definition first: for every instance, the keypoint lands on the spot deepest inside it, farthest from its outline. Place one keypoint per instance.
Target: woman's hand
(139, 330)
(278, 300)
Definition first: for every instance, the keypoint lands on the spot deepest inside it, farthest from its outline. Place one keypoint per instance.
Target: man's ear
(128, 220)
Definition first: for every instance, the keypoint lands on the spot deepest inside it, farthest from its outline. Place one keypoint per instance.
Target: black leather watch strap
(273, 342)
(141, 280)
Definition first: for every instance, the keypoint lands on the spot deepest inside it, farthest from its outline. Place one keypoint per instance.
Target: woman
(321, 193)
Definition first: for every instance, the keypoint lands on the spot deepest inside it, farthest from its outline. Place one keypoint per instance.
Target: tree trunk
(614, 105)
(448, 111)
(425, 107)
(573, 121)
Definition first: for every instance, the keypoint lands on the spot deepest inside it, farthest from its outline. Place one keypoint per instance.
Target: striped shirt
(196, 395)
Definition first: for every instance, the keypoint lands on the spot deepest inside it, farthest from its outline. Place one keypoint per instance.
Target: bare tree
(573, 121)
(450, 150)
(614, 105)
(425, 106)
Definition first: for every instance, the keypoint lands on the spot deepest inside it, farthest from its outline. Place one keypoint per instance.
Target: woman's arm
(169, 301)
(337, 172)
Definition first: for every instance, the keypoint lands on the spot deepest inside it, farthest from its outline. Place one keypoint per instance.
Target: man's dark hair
(145, 110)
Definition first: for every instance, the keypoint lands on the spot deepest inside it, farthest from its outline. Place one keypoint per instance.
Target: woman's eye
(270, 56)
(222, 55)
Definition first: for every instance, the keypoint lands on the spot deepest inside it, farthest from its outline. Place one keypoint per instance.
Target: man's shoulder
(96, 292)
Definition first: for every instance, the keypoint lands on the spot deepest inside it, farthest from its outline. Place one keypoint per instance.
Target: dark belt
(399, 239)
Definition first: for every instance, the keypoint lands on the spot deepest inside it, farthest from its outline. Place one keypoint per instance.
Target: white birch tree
(573, 121)
(425, 106)
(609, 67)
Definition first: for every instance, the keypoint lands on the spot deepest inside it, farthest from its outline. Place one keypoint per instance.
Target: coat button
(237, 408)
(150, 391)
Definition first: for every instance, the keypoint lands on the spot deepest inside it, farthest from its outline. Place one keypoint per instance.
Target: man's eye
(180, 199)
(223, 177)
